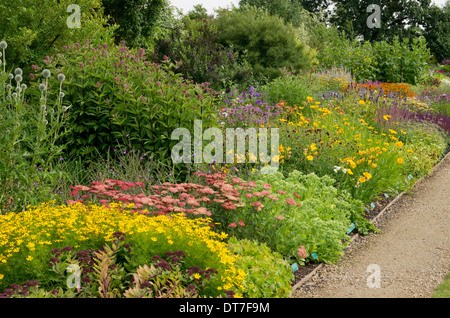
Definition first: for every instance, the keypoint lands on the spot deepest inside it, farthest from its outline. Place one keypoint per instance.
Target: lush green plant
(270, 43)
(203, 59)
(300, 210)
(34, 30)
(396, 61)
(140, 22)
(119, 97)
(268, 275)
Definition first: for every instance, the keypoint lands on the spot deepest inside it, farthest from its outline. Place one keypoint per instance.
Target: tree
(35, 29)
(137, 19)
(289, 10)
(437, 31)
(402, 18)
(270, 43)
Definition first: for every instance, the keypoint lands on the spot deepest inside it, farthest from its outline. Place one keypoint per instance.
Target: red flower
(290, 201)
(282, 192)
(267, 186)
(298, 196)
(241, 223)
(232, 225)
(301, 252)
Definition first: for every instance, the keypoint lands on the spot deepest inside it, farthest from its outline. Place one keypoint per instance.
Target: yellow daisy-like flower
(362, 179)
(310, 158)
(29, 258)
(367, 175)
(362, 102)
(410, 151)
(399, 144)
(349, 171)
(400, 160)
(313, 147)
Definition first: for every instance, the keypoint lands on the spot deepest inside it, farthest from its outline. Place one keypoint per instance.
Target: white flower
(336, 169)
(46, 73)
(18, 71)
(10, 76)
(3, 45)
(61, 77)
(344, 170)
(18, 78)
(42, 87)
(23, 86)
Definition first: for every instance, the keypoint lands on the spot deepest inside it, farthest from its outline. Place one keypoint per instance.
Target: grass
(443, 290)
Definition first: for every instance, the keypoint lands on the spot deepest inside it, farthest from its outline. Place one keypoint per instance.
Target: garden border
(315, 270)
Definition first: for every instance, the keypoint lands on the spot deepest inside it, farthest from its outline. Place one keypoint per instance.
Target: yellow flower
(362, 179)
(367, 175)
(309, 99)
(392, 131)
(400, 160)
(362, 102)
(29, 258)
(349, 171)
(313, 147)
(410, 151)
(399, 144)
(310, 158)
(352, 164)
(386, 117)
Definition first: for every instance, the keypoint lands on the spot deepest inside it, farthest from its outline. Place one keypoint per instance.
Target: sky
(210, 5)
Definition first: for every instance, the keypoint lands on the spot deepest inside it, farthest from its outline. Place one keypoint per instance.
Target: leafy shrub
(300, 210)
(28, 238)
(119, 98)
(195, 45)
(268, 275)
(292, 88)
(398, 61)
(269, 42)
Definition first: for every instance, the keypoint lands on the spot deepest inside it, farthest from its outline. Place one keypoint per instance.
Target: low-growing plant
(268, 275)
(29, 237)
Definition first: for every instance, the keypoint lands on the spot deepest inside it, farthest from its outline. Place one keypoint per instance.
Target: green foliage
(292, 88)
(140, 21)
(119, 98)
(268, 275)
(34, 29)
(391, 62)
(318, 220)
(202, 59)
(270, 43)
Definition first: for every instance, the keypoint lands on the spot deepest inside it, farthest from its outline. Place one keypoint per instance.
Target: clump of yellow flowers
(26, 239)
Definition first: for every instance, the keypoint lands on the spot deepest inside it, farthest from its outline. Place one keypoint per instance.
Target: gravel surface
(408, 259)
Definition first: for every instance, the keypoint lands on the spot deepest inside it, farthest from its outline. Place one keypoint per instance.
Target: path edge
(373, 221)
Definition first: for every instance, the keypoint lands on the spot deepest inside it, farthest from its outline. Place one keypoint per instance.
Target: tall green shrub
(271, 44)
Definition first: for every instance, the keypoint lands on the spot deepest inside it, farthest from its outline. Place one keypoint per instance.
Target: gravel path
(407, 260)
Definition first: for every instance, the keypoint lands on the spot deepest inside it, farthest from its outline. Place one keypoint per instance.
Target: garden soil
(408, 259)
